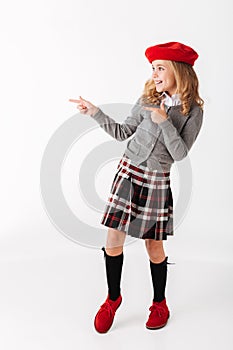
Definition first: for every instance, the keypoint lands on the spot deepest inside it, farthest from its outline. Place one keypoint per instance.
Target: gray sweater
(155, 145)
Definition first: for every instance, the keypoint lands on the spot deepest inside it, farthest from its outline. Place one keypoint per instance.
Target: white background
(51, 287)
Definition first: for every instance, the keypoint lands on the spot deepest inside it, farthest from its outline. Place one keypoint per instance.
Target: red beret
(173, 51)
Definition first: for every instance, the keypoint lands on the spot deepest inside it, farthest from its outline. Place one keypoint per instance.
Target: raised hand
(158, 115)
(84, 106)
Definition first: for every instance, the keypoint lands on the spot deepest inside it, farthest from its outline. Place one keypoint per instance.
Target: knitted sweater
(156, 145)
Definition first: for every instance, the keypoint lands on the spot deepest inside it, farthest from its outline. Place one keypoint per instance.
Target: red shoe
(159, 315)
(105, 316)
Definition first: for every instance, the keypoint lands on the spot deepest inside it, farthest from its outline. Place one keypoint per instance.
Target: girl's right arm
(119, 131)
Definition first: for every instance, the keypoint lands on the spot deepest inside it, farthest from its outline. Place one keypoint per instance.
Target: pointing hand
(158, 115)
(84, 106)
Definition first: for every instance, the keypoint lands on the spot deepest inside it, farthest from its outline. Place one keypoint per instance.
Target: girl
(166, 120)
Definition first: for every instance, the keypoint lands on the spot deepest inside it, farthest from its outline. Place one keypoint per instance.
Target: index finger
(150, 108)
(72, 100)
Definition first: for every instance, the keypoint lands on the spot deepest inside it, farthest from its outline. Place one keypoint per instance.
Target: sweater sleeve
(120, 131)
(177, 144)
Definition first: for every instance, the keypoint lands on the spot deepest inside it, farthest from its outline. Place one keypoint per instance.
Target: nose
(154, 74)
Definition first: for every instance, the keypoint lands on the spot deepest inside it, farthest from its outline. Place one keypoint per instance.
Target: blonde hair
(187, 86)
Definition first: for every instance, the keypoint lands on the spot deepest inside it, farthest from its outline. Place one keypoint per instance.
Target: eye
(161, 68)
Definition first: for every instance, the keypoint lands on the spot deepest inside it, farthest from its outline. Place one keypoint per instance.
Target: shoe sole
(164, 324)
(110, 324)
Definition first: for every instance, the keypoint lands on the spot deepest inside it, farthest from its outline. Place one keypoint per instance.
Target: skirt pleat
(140, 202)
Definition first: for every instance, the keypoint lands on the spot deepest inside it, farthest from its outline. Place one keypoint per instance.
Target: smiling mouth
(157, 82)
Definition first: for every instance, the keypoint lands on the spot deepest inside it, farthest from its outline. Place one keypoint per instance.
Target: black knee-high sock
(113, 271)
(159, 278)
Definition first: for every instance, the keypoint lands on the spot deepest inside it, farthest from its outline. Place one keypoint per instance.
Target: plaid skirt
(140, 202)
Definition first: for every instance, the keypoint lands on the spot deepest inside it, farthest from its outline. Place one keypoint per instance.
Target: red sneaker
(105, 316)
(159, 315)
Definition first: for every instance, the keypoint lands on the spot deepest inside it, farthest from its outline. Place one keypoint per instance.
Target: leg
(158, 266)
(155, 250)
(114, 261)
(115, 242)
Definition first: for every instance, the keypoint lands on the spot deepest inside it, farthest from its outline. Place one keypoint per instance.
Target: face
(163, 77)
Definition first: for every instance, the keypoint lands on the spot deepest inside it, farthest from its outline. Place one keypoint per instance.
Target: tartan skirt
(140, 202)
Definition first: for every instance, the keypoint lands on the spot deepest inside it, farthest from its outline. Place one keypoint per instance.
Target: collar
(173, 100)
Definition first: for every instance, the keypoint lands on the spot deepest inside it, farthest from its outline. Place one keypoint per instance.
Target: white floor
(51, 292)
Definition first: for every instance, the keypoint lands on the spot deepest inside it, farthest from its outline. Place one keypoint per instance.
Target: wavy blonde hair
(187, 86)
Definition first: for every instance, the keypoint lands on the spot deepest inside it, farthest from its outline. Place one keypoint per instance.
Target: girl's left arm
(177, 144)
